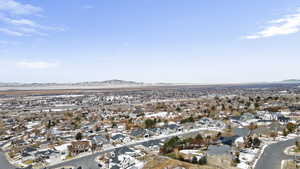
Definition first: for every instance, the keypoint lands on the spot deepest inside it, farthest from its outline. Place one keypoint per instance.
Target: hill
(113, 82)
(291, 81)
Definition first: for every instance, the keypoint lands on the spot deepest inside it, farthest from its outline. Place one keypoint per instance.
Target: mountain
(291, 81)
(113, 82)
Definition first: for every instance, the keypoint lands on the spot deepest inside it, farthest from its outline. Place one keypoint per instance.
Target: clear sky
(199, 41)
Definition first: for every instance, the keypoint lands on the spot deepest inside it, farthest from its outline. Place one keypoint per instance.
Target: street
(4, 164)
(270, 159)
(273, 155)
(88, 162)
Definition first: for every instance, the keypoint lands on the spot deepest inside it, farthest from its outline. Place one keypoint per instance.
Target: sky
(174, 41)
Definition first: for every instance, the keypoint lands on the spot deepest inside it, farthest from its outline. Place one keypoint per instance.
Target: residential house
(77, 147)
(100, 140)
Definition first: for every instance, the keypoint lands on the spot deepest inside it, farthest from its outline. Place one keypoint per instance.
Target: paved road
(88, 162)
(270, 159)
(273, 155)
(4, 164)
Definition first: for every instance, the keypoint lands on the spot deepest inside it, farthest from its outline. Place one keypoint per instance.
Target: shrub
(187, 120)
(291, 127)
(149, 123)
(78, 136)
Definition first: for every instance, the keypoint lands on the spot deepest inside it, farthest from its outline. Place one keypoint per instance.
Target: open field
(161, 162)
(105, 89)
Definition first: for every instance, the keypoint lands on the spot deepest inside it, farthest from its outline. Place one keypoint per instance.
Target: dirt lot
(161, 162)
(65, 91)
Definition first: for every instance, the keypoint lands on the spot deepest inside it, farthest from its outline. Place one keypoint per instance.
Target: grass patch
(296, 150)
(28, 162)
(68, 157)
(171, 155)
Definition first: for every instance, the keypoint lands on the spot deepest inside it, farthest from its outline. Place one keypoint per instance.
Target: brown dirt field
(39, 92)
(66, 91)
(100, 89)
(161, 162)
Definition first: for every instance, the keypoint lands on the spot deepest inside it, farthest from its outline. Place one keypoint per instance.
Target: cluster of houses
(261, 118)
(49, 129)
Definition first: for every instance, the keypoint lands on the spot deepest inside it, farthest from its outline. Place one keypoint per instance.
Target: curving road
(88, 162)
(270, 159)
(273, 155)
(4, 164)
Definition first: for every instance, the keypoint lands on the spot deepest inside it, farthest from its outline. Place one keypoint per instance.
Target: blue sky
(199, 41)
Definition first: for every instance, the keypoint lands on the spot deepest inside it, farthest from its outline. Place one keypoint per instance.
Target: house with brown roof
(78, 147)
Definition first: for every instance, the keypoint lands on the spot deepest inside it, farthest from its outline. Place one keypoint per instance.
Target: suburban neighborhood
(153, 127)
(149, 84)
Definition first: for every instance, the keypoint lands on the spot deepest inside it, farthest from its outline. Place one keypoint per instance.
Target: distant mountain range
(95, 84)
(107, 83)
(113, 82)
(291, 81)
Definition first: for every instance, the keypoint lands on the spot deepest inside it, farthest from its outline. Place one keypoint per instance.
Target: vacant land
(161, 162)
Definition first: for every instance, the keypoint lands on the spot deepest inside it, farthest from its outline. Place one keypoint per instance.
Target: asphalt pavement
(273, 155)
(270, 159)
(88, 162)
(4, 164)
